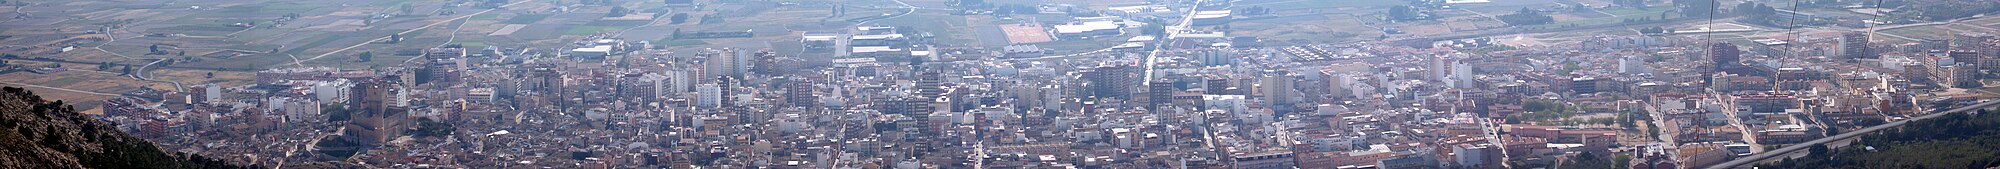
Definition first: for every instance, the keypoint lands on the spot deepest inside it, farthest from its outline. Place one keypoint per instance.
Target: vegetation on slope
(1953, 141)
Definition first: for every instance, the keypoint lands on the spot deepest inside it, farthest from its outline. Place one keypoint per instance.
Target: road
(650, 23)
(1759, 157)
(1667, 132)
(1492, 131)
(1735, 120)
(1173, 31)
(111, 36)
(979, 155)
(426, 26)
(447, 42)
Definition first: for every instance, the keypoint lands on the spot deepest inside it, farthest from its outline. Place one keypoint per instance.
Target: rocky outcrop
(36, 133)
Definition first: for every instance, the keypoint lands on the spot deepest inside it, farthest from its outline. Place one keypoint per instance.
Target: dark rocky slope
(36, 133)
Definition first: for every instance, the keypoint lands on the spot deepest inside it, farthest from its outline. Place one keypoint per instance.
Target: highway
(1759, 157)
(1173, 31)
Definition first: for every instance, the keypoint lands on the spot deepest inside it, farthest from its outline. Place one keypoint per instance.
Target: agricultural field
(1306, 29)
(1091, 4)
(1319, 5)
(1919, 32)
(79, 84)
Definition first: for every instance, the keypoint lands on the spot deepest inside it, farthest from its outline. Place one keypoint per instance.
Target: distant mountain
(36, 133)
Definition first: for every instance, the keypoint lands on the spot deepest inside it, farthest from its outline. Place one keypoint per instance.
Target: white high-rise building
(1631, 65)
(211, 94)
(1337, 83)
(331, 91)
(722, 62)
(708, 95)
(1438, 69)
(1461, 75)
(403, 96)
(656, 83)
(741, 59)
(679, 81)
(295, 110)
(1277, 90)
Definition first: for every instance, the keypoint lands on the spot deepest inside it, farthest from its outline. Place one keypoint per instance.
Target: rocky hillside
(36, 133)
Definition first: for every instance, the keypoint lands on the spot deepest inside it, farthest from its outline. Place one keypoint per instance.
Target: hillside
(1954, 141)
(36, 133)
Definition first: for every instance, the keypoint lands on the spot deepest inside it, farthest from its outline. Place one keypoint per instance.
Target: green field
(200, 29)
(325, 39)
(525, 19)
(267, 9)
(488, 16)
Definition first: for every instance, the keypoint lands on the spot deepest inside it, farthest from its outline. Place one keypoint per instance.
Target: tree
(103, 66)
(1696, 8)
(1587, 159)
(1402, 12)
(711, 18)
(336, 112)
(1754, 11)
(970, 3)
(624, 62)
(1253, 11)
(1011, 9)
(1640, 4)
(155, 49)
(1153, 29)
(367, 56)
(618, 11)
(1942, 10)
(423, 75)
(493, 3)
(677, 33)
(433, 128)
(1621, 160)
(1526, 17)
(409, 9)
(678, 18)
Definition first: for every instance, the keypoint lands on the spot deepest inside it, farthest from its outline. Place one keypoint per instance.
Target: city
(911, 84)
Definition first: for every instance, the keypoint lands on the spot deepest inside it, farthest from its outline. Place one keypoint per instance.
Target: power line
(1790, 28)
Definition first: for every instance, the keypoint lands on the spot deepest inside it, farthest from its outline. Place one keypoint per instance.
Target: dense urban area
(916, 84)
